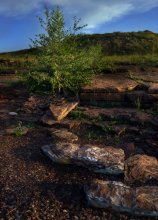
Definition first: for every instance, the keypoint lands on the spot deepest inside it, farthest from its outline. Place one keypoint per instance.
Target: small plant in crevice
(109, 130)
(18, 129)
(77, 114)
(90, 135)
(138, 104)
(30, 125)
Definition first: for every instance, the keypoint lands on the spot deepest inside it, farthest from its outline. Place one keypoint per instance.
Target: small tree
(62, 63)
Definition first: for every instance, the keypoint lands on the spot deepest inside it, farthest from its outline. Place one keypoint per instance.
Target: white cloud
(92, 12)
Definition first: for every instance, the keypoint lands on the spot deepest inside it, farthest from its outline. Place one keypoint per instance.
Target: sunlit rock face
(61, 109)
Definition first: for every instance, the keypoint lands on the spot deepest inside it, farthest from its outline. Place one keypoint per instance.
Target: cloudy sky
(18, 20)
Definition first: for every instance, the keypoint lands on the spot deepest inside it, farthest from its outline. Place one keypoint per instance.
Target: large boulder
(141, 168)
(120, 197)
(107, 160)
(109, 194)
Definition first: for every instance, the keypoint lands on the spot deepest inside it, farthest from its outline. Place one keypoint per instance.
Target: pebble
(13, 113)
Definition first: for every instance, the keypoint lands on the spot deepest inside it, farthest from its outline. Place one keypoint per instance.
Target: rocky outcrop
(141, 168)
(120, 197)
(107, 160)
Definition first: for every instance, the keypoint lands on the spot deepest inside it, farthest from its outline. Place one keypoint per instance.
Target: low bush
(62, 64)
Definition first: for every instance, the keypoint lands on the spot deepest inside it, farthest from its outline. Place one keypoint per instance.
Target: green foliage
(127, 43)
(138, 104)
(62, 63)
(18, 130)
(77, 114)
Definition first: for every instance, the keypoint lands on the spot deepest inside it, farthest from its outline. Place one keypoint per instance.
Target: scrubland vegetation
(65, 59)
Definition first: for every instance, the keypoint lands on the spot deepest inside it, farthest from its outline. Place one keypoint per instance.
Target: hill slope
(117, 43)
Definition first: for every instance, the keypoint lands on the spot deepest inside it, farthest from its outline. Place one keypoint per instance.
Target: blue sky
(18, 20)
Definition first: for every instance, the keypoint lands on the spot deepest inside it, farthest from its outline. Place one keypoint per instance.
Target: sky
(19, 23)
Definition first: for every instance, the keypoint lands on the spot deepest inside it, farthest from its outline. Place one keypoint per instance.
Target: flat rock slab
(63, 135)
(120, 197)
(107, 113)
(127, 114)
(110, 83)
(107, 160)
(141, 168)
(61, 109)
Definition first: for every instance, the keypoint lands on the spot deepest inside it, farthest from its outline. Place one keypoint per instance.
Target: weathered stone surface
(141, 168)
(141, 201)
(102, 160)
(146, 201)
(63, 134)
(110, 83)
(108, 113)
(110, 194)
(60, 152)
(117, 97)
(61, 109)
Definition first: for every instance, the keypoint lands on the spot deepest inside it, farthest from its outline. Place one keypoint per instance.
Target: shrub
(62, 63)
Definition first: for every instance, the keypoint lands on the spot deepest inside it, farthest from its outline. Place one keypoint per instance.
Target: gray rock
(13, 113)
(106, 160)
(141, 201)
(60, 152)
(109, 194)
(101, 160)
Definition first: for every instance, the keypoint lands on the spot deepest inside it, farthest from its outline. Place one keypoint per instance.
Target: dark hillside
(124, 43)
(117, 43)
